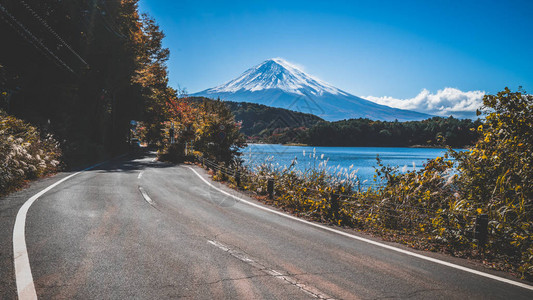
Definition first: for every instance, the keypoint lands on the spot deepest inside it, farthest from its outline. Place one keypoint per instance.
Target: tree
(152, 76)
(92, 68)
(218, 136)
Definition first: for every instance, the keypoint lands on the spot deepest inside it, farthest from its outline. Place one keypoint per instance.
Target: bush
(497, 176)
(174, 153)
(24, 154)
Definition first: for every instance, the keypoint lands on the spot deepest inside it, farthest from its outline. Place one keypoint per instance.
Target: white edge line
(431, 259)
(23, 276)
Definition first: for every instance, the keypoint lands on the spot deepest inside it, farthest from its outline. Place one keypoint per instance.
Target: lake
(363, 159)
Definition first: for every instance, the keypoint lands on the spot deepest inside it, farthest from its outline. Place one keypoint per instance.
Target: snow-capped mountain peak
(278, 83)
(277, 73)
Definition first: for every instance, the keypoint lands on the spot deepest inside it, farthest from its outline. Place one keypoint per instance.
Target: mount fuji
(277, 83)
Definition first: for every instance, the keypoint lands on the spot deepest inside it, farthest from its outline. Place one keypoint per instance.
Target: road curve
(135, 228)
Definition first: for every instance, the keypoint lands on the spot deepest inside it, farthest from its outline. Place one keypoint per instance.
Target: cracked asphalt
(94, 236)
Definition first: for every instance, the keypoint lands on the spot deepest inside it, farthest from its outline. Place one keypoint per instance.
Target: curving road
(134, 228)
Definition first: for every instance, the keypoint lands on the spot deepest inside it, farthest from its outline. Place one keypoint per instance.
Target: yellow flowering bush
(497, 176)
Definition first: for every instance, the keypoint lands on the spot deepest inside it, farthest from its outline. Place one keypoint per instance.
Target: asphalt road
(134, 228)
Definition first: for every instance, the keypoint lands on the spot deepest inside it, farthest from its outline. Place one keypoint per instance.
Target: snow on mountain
(278, 83)
(277, 73)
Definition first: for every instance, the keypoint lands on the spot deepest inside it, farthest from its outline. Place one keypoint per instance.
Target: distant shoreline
(413, 146)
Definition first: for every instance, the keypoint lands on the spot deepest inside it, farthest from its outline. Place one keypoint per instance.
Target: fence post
(238, 178)
(334, 205)
(481, 229)
(270, 188)
(206, 164)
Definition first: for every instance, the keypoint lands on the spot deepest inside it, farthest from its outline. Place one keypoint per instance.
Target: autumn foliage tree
(218, 136)
(152, 76)
(208, 128)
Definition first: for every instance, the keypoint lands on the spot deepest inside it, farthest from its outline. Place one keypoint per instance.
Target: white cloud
(446, 102)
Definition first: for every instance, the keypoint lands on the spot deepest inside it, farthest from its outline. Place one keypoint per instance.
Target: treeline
(82, 70)
(364, 132)
(264, 124)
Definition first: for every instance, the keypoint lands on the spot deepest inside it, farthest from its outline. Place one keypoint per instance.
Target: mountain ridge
(278, 83)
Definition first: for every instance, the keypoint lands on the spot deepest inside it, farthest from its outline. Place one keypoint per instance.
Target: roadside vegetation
(25, 153)
(434, 208)
(201, 129)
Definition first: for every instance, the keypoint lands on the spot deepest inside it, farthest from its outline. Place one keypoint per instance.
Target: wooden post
(334, 205)
(481, 229)
(238, 178)
(270, 188)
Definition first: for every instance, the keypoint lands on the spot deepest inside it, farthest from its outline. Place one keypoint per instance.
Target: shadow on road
(133, 162)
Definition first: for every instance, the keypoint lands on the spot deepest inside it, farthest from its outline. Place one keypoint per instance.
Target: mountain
(277, 83)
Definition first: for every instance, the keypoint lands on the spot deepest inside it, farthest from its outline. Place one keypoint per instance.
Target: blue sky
(393, 50)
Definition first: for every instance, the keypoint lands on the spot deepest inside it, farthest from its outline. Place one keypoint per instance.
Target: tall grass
(24, 154)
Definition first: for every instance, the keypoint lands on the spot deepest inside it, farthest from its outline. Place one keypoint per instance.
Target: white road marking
(431, 259)
(312, 291)
(140, 175)
(23, 276)
(219, 245)
(146, 197)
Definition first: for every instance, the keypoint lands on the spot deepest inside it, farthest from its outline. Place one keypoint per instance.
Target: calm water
(363, 159)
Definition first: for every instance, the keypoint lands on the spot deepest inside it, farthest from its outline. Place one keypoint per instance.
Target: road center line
(23, 276)
(389, 247)
(311, 291)
(146, 197)
(140, 175)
